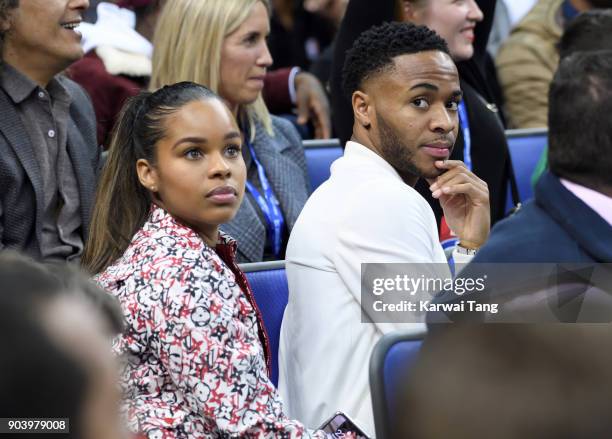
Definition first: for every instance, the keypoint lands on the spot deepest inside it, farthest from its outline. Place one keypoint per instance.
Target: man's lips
(71, 25)
(437, 149)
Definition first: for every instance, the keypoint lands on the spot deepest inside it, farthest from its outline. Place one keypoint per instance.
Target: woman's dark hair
(122, 203)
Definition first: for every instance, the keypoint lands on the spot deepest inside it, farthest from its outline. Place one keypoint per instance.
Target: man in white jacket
(405, 92)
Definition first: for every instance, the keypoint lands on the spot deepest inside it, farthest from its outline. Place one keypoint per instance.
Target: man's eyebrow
(457, 94)
(426, 85)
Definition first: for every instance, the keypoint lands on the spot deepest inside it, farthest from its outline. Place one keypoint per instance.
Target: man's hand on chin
(465, 201)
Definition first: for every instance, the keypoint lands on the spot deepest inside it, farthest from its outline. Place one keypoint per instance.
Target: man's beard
(398, 154)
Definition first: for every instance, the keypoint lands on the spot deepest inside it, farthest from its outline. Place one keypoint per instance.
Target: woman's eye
(232, 151)
(251, 39)
(453, 105)
(420, 103)
(193, 154)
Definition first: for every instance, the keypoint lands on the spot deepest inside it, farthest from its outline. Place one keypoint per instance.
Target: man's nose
(442, 120)
(79, 4)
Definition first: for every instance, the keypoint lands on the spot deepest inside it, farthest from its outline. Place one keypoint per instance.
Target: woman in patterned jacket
(196, 349)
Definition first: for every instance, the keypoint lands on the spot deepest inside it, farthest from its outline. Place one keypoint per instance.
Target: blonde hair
(187, 47)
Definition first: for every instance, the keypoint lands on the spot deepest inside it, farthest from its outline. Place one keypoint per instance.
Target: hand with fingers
(465, 201)
(312, 104)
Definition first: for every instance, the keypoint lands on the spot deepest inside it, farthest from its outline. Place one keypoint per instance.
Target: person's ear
(361, 108)
(410, 12)
(147, 175)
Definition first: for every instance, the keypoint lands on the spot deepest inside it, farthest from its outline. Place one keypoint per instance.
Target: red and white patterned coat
(195, 361)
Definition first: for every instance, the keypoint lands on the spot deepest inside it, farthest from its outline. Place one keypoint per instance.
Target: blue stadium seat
(269, 284)
(526, 147)
(320, 154)
(392, 357)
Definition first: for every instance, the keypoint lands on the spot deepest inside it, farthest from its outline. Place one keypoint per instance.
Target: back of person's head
(122, 202)
(184, 52)
(510, 382)
(56, 357)
(580, 104)
(589, 31)
(373, 52)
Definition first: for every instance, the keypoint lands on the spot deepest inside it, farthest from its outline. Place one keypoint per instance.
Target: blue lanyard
(269, 205)
(467, 137)
(569, 11)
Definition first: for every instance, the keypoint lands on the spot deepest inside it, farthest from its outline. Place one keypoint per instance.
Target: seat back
(269, 284)
(526, 148)
(320, 154)
(392, 357)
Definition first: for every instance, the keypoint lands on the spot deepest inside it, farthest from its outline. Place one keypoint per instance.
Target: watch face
(466, 251)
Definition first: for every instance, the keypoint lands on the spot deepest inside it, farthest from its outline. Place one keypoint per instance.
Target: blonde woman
(222, 44)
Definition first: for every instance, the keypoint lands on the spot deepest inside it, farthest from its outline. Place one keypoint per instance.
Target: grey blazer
(282, 156)
(21, 191)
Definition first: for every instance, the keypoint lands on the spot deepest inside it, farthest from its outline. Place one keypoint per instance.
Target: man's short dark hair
(589, 31)
(580, 133)
(374, 50)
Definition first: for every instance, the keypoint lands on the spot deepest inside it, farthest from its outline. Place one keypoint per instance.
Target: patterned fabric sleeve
(206, 338)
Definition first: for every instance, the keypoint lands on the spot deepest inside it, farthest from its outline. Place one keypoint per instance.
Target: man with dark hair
(528, 59)
(55, 331)
(405, 92)
(48, 151)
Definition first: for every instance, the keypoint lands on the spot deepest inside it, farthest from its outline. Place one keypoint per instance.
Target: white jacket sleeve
(372, 233)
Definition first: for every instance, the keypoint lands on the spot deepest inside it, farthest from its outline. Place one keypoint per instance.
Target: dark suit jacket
(282, 156)
(22, 192)
(554, 228)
